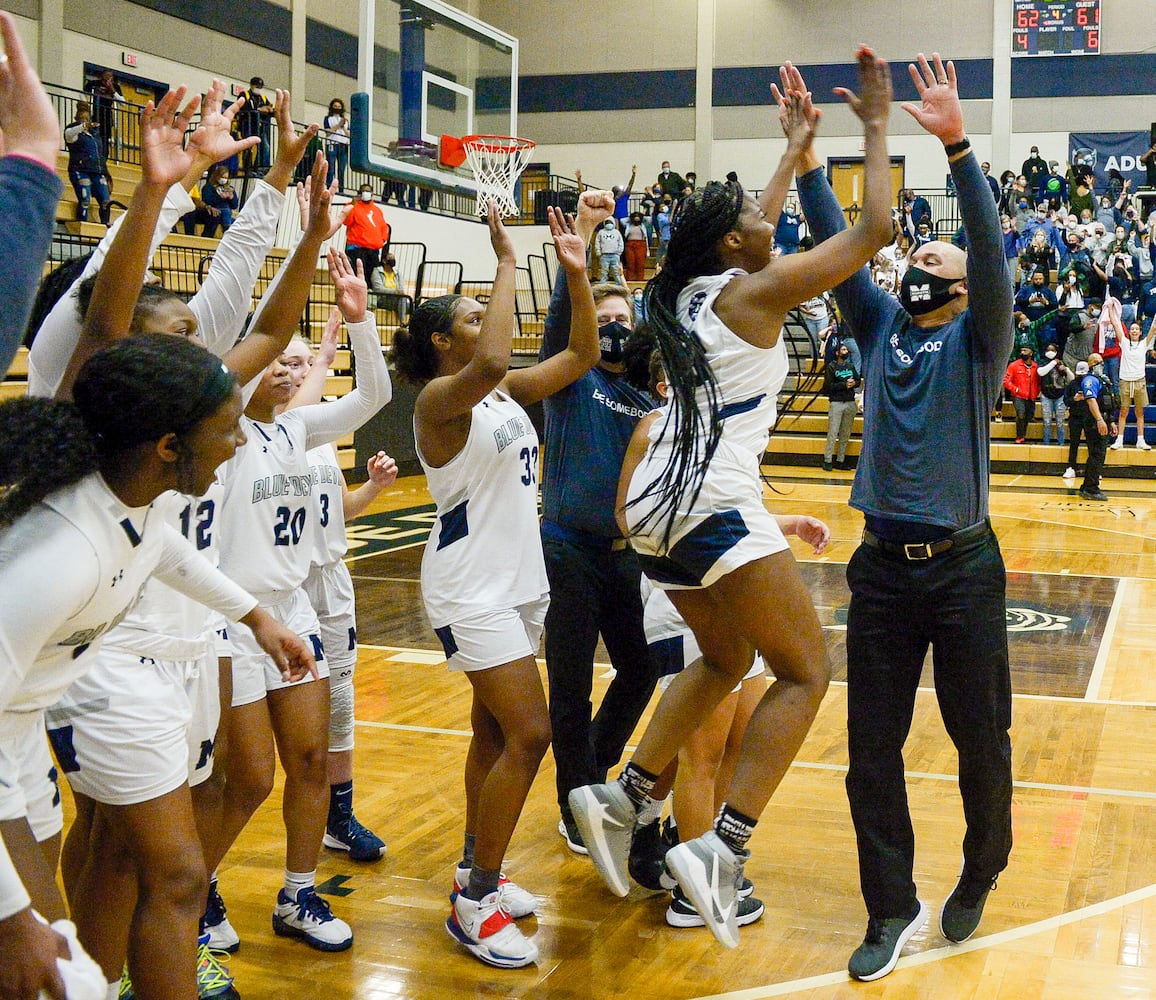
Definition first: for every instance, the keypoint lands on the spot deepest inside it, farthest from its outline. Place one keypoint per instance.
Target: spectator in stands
(1111, 210)
(1133, 383)
(1110, 334)
(840, 380)
(622, 200)
(916, 209)
(1082, 193)
(336, 127)
(991, 181)
(789, 230)
(670, 182)
(366, 232)
(636, 246)
(691, 180)
(105, 93)
(923, 236)
(1148, 162)
(29, 187)
(87, 168)
(662, 227)
(610, 246)
(1054, 187)
(1076, 260)
(1011, 241)
(392, 294)
(1022, 214)
(1038, 255)
(254, 119)
(816, 316)
(1036, 299)
(1034, 169)
(649, 209)
(1041, 220)
(1140, 246)
(1054, 378)
(1007, 182)
(219, 199)
(1022, 381)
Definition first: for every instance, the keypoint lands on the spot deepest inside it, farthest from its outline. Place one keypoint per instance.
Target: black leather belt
(921, 551)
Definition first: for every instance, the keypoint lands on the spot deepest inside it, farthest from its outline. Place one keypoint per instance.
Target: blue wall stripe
(746, 86)
(672, 88)
(262, 23)
(1085, 76)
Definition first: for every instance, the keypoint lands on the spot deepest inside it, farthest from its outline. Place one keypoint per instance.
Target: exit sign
(128, 58)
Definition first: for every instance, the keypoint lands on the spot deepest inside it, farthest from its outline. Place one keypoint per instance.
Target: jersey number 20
(289, 526)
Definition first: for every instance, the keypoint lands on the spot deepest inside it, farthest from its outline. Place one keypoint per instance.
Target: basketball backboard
(426, 69)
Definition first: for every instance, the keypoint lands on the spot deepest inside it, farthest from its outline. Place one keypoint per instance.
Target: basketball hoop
(497, 162)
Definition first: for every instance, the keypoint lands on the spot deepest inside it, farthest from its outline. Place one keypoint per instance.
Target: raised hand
(594, 208)
(352, 293)
(291, 146)
(382, 470)
(213, 139)
(570, 246)
(305, 196)
(939, 112)
(873, 104)
(499, 237)
(798, 117)
(28, 123)
(164, 159)
(315, 207)
(327, 350)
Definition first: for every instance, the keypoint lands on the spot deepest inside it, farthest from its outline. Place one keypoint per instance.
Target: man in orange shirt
(366, 232)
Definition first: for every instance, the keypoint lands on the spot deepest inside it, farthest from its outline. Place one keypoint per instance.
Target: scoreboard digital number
(1060, 28)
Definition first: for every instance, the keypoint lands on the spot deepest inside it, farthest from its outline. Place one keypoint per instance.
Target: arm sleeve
(860, 299)
(327, 422)
(29, 192)
(60, 332)
(185, 570)
(988, 282)
(223, 301)
(556, 330)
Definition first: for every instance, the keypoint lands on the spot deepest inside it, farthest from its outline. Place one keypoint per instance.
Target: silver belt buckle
(917, 551)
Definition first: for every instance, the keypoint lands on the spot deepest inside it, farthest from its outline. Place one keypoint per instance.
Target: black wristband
(958, 147)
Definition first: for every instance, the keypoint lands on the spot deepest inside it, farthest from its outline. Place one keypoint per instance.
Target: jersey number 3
(289, 527)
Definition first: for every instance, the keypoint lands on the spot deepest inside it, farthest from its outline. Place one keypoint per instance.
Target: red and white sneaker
(486, 928)
(516, 901)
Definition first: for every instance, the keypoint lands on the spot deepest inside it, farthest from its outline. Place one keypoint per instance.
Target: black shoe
(826, 465)
(647, 861)
(840, 463)
(1093, 494)
(569, 832)
(885, 938)
(964, 907)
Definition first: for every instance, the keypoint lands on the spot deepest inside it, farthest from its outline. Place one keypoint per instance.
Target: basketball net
(497, 162)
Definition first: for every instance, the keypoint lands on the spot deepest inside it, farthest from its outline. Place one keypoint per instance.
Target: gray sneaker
(605, 818)
(964, 907)
(880, 949)
(711, 874)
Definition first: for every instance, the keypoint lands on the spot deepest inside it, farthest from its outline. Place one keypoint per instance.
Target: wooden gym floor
(1074, 915)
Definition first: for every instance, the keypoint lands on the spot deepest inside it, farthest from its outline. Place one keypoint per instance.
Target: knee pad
(340, 707)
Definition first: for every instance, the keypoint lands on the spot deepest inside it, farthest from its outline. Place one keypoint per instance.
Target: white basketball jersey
(103, 552)
(749, 378)
(329, 541)
(266, 531)
(485, 550)
(165, 624)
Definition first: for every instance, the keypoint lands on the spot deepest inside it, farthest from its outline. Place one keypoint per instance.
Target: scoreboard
(1055, 27)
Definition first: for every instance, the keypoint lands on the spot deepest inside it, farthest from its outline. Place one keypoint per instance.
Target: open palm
(213, 139)
(164, 159)
(570, 246)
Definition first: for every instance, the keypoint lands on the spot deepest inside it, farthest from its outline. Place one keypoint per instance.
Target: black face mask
(922, 292)
(610, 338)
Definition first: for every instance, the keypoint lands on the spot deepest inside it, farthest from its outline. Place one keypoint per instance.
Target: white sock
(296, 881)
(113, 991)
(650, 812)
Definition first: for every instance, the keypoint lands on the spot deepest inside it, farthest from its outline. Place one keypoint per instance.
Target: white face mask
(1050, 355)
(366, 196)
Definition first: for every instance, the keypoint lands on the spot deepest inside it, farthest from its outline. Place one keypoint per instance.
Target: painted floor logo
(373, 534)
(1037, 620)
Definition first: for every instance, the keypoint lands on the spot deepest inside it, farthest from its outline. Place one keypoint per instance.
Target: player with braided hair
(694, 504)
(150, 414)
